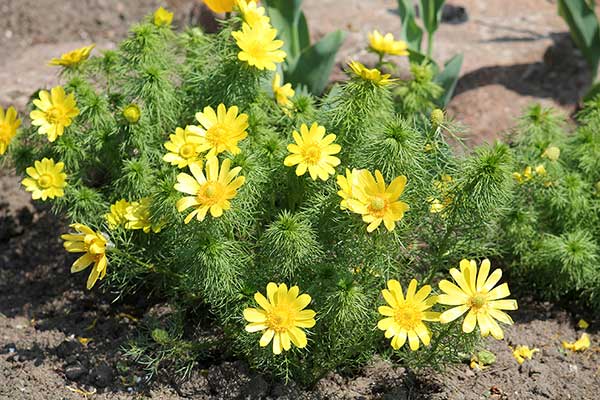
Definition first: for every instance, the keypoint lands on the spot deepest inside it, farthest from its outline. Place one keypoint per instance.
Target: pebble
(74, 372)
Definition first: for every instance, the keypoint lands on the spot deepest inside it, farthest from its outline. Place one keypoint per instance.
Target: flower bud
(160, 336)
(132, 113)
(552, 153)
(437, 117)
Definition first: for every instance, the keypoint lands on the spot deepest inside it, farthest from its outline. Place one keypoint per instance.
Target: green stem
(429, 45)
(436, 344)
(133, 259)
(228, 15)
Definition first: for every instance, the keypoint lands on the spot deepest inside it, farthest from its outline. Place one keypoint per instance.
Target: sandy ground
(516, 52)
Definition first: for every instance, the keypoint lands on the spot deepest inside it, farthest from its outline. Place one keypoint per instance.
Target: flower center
(53, 116)
(217, 135)
(478, 301)
(407, 316)
(45, 181)
(188, 150)
(378, 206)
(281, 319)
(256, 48)
(311, 153)
(211, 193)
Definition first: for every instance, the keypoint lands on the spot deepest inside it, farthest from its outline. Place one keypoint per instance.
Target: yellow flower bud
(552, 153)
(132, 113)
(540, 170)
(437, 117)
(162, 17)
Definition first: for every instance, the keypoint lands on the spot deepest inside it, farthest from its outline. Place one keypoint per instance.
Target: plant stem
(429, 45)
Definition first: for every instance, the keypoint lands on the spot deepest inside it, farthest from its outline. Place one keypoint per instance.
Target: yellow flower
(313, 151)
(436, 205)
(93, 244)
(116, 216)
(8, 127)
(220, 6)
(132, 113)
(377, 202)
(387, 45)
(282, 93)
(373, 75)
(162, 17)
(252, 14)
(552, 153)
(581, 344)
(583, 324)
(280, 316)
(540, 170)
(46, 179)
(137, 215)
(346, 183)
(405, 316)
(522, 353)
(221, 131)
(54, 112)
(258, 46)
(525, 176)
(74, 57)
(184, 148)
(208, 192)
(477, 295)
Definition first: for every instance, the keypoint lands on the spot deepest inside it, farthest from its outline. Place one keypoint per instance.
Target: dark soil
(60, 341)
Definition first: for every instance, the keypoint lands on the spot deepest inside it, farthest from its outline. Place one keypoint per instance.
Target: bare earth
(516, 52)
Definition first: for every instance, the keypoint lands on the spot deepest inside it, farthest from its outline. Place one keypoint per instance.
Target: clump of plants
(310, 230)
(551, 234)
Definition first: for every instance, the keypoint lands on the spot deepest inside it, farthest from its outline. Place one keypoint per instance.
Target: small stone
(256, 388)
(74, 372)
(102, 375)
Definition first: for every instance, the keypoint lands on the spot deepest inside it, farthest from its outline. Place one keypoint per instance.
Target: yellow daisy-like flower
(137, 215)
(281, 317)
(476, 294)
(377, 202)
(258, 46)
(313, 151)
(387, 45)
(8, 127)
(221, 131)
(184, 148)
(117, 215)
(373, 75)
(162, 17)
(220, 6)
(55, 111)
(208, 192)
(252, 14)
(406, 315)
(74, 57)
(282, 93)
(93, 244)
(46, 179)
(346, 183)
(522, 353)
(581, 344)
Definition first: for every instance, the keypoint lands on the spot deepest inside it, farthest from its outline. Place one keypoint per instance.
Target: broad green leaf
(410, 32)
(448, 78)
(285, 17)
(316, 62)
(584, 28)
(303, 33)
(431, 14)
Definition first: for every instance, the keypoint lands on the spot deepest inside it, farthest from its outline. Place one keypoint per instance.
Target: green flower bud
(552, 153)
(160, 336)
(437, 117)
(132, 113)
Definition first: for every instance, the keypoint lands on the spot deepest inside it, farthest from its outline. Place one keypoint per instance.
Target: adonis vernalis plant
(190, 170)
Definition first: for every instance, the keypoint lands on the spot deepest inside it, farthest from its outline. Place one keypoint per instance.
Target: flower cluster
(406, 314)
(529, 173)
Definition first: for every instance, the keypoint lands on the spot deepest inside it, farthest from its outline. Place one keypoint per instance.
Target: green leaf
(416, 57)
(592, 92)
(584, 28)
(410, 32)
(431, 14)
(315, 63)
(303, 33)
(285, 17)
(447, 79)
